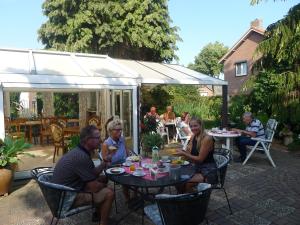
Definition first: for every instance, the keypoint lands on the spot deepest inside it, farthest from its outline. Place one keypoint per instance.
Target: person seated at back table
(254, 128)
(77, 170)
(199, 151)
(184, 124)
(169, 115)
(152, 113)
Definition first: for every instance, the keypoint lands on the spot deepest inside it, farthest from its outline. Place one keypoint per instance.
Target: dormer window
(241, 68)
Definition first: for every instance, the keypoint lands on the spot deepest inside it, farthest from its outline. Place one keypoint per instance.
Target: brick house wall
(244, 52)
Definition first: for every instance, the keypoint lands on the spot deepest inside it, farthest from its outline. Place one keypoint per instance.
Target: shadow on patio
(259, 194)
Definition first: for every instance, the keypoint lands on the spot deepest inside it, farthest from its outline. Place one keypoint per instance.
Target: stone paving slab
(259, 195)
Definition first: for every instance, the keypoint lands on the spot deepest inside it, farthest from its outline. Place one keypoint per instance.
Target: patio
(259, 194)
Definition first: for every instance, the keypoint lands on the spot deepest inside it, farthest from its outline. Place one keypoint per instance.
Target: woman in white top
(184, 124)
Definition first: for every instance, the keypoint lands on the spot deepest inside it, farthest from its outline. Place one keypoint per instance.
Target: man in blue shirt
(254, 128)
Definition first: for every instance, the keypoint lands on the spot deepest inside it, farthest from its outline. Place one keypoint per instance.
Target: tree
(276, 88)
(130, 29)
(207, 61)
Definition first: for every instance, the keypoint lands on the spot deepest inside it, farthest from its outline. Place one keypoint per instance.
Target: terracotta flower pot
(6, 176)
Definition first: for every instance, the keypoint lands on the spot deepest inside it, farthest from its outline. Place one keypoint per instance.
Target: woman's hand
(180, 152)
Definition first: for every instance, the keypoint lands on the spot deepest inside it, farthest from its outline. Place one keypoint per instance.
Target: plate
(126, 164)
(133, 158)
(138, 174)
(147, 165)
(185, 163)
(115, 170)
(165, 161)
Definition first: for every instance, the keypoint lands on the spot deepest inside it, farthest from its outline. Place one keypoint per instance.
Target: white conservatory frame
(48, 71)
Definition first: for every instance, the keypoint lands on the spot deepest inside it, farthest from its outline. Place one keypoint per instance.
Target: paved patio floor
(259, 195)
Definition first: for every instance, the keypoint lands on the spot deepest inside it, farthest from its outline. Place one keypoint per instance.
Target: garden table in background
(228, 135)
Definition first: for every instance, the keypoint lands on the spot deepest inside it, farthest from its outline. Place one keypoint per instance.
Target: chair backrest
(221, 163)
(270, 129)
(57, 133)
(36, 172)
(96, 121)
(183, 209)
(59, 198)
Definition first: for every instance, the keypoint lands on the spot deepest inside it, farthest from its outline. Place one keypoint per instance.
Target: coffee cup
(139, 171)
(164, 158)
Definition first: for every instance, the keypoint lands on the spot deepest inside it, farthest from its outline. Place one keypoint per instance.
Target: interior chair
(163, 131)
(96, 121)
(45, 129)
(60, 198)
(17, 128)
(264, 144)
(105, 126)
(221, 157)
(180, 209)
(59, 141)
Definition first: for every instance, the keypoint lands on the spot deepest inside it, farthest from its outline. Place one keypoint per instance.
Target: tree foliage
(130, 29)
(207, 61)
(253, 2)
(275, 91)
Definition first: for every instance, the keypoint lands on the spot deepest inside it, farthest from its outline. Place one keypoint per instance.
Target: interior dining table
(72, 130)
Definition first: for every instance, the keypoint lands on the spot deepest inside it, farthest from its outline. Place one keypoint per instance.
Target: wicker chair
(59, 141)
(17, 128)
(180, 209)
(60, 198)
(96, 121)
(45, 131)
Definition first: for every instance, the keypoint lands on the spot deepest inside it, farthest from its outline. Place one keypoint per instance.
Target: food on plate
(177, 161)
(134, 158)
(171, 151)
(115, 170)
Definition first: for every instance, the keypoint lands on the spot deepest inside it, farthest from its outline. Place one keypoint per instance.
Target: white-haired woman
(114, 148)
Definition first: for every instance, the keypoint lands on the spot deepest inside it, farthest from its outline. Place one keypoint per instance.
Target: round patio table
(186, 172)
(142, 186)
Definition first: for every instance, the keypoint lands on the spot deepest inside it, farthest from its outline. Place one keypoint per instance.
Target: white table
(228, 135)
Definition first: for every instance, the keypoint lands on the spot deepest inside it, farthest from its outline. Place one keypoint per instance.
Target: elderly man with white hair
(254, 128)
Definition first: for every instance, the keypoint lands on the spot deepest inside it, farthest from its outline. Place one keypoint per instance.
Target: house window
(241, 68)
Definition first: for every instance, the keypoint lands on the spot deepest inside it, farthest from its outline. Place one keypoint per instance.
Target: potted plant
(151, 139)
(287, 135)
(10, 149)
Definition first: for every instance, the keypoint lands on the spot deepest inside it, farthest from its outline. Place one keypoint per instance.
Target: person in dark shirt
(77, 170)
(199, 151)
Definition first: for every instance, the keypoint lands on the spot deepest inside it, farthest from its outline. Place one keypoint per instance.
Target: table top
(130, 180)
(224, 134)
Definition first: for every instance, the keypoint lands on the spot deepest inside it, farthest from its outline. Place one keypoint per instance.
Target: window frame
(243, 72)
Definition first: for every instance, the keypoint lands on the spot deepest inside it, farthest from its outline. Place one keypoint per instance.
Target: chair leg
(55, 149)
(268, 155)
(115, 198)
(251, 152)
(227, 200)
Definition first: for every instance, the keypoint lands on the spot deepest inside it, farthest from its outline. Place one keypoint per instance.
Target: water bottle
(155, 155)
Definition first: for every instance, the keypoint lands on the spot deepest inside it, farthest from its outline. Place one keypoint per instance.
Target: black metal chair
(221, 157)
(36, 172)
(179, 209)
(59, 198)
